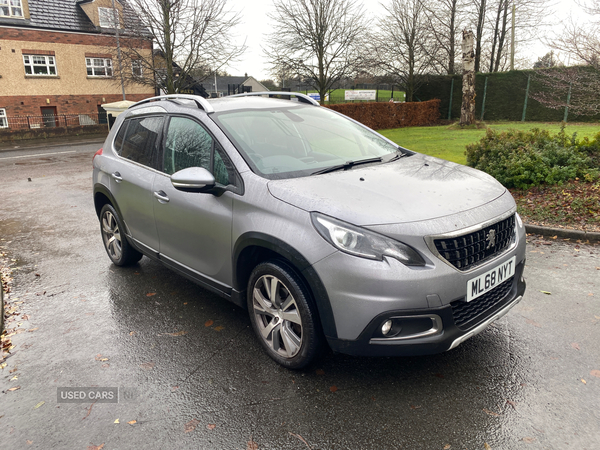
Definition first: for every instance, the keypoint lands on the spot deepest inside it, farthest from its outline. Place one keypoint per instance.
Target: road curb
(563, 233)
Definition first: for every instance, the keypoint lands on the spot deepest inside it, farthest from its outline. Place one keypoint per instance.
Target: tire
(120, 252)
(282, 316)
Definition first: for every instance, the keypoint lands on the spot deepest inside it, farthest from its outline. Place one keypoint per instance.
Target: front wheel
(282, 316)
(118, 249)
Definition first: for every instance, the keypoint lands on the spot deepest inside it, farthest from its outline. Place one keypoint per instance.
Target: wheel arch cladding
(252, 248)
(102, 196)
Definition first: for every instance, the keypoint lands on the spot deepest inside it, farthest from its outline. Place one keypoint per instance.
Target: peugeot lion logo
(491, 239)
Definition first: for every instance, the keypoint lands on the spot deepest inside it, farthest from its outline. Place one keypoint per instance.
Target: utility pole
(117, 25)
(512, 44)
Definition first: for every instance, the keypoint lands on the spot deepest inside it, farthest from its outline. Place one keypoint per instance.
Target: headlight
(363, 243)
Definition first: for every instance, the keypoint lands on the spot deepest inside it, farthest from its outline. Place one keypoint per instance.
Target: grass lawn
(337, 95)
(448, 142)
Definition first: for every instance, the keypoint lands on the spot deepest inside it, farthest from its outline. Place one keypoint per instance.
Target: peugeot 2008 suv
(327, 232)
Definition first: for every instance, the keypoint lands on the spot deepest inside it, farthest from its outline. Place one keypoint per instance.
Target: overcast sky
(256, 25)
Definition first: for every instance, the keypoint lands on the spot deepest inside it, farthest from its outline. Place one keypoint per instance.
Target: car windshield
(299, 140)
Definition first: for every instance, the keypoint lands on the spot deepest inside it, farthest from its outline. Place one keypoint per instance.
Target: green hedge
(504, 99)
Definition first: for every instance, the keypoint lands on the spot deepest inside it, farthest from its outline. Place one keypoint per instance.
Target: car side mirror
(194, 179)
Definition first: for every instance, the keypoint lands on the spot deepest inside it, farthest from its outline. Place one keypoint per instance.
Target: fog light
(386, 327)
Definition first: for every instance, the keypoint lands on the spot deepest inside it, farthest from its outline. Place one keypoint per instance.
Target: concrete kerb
(575, 235)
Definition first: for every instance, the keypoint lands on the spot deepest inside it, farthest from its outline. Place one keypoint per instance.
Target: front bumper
(444, 334)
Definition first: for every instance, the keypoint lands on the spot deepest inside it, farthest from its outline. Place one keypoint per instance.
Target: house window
(11, 8)
(107, 17)
(99, 67)
(137, 68)
(3, 119)
(39, 64)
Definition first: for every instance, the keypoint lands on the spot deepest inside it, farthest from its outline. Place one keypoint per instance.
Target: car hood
(412, 189)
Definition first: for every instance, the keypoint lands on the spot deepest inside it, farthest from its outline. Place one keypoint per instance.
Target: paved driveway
(195, 377)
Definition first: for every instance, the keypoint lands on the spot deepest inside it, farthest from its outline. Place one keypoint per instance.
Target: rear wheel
(116, 245)
(282, 316)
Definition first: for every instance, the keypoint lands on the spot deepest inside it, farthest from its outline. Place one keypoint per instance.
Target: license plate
(489, 280)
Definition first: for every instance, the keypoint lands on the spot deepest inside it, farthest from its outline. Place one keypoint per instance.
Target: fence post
(66, 122)
(451, 94)
(568, 103)
(484, 95)
(526, 97)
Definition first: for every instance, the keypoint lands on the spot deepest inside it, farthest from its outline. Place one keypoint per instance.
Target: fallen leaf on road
(211, 426)
(116, 421)
(301, 438)
(38, 405)
(179, 333)
(16, 377)
(251, 445)
(490, 413)
(529, 440)
(2, 366)
(131, 333)
(191, 425)
(95, 447)
(447, 447)
(29, 442)
(147, 366)
(546, 292)
(32, 329)
(487, 446)
(219, 328)
(16, 388)
(583, 381)
(208, 323)
(150, 294)
(333, 388)
(511, 403)
(575, 345)
(595, 373)
(99, 357)
(131, 422)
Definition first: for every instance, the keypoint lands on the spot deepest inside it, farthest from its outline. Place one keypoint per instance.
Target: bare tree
(192, 38)
(467, 110)
(400, 48)
(582, 40)
(575, 88)
(317, 40)
(480, 14)
(445, 18)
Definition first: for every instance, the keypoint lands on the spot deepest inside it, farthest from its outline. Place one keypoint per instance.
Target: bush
(522, 159)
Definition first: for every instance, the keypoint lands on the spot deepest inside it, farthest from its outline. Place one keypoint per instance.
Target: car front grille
(466, 314)
(472, 249)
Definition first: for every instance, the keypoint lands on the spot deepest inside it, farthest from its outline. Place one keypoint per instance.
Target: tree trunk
(467, 111)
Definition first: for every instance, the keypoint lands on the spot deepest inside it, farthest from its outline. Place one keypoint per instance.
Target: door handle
(117, 177)
(161, 196)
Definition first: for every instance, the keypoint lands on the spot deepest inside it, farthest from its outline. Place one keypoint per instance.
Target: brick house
(58, 57)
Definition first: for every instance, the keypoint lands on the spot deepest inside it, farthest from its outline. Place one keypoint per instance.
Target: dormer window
(107, 17)
(11, 8)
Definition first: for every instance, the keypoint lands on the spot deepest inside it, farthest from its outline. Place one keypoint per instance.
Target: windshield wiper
(348, 165)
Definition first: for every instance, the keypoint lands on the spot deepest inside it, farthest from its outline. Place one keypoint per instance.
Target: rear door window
(141, 140)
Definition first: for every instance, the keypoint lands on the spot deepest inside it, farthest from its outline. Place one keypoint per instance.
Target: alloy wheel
(277, 316)
(112, 236)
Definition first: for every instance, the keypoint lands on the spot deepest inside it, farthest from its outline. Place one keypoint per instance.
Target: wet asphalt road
(195, 376)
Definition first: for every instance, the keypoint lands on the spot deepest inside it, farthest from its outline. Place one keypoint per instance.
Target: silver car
(327, 232)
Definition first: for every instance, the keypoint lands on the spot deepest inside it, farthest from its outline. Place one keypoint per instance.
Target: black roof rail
(301, 97)
(200, 101)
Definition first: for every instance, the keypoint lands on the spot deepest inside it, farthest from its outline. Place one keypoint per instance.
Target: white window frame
(3, 118)
(11, 8)
(99, 64)
(137, 68)
(106, 17)
(46, 61)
